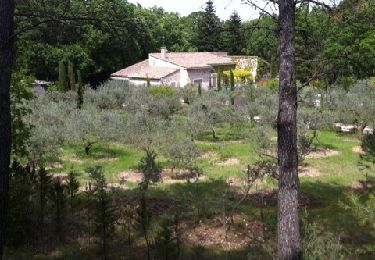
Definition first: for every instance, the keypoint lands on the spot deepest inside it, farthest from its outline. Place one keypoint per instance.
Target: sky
(223, 7)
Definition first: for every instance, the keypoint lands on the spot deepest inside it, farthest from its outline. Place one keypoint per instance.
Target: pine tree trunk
(6, 62)
(289, 244)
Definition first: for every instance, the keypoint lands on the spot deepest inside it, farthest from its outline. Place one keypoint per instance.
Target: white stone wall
(172, 78)
(203, 74)
(139, 82)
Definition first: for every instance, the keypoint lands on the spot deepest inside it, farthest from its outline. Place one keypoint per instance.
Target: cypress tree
(63, 86)
(79, 90)
(71, 76)
(219, 80)
(231, 81)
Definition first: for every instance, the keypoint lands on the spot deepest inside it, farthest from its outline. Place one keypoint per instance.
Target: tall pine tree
(233, 39)
(208, 30)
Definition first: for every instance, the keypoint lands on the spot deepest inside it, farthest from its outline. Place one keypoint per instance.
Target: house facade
(177, 69)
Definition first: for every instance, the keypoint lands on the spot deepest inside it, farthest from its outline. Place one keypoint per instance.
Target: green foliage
(207, 36)
(319, 245)
(59, 201)
(184, 154)
(163, 91)
(104, 210)
(273, 85)
(368, 144)
(71, 76)
(165, 240)
(150, 169)
(231, 80)
(219, 79)
(72, 188)
(63, 83)
(80, 93)
(22, 218)
(44, 182)
(232, 37)
(21, 92)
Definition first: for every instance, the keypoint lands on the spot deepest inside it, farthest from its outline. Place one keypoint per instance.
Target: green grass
(325, 193)
(114, 158)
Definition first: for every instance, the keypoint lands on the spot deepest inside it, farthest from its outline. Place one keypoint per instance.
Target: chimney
(163, 52)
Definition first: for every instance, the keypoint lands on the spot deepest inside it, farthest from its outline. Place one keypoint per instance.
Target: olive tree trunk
(289, 244)
(6, 62)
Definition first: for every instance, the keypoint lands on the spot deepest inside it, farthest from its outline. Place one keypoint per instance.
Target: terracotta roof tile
(143, 70)
(196, 59)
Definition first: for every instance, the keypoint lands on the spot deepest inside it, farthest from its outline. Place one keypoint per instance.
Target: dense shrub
(368, 144)
(163, 91)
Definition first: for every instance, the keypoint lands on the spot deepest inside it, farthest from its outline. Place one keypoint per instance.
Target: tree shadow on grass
(338, 216)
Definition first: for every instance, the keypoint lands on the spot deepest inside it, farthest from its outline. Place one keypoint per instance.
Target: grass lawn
(325, 193)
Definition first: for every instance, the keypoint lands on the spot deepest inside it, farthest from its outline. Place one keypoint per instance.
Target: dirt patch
(358, 149)
(171, 176)
(268, 198)
(239, 182)
(308, 171)
(238, 236)
(209, 155)
(75, 160)
(130, 176)
(168, 176)
(360, 185)
(107, 159)
(322, 153)
(61, 177)
(57, 165)
(229, 162)
(116, 186)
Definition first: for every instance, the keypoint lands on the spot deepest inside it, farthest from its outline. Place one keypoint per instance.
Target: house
(178, 69)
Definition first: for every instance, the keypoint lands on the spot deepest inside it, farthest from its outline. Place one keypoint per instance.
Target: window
(213, 80)
(173, 84)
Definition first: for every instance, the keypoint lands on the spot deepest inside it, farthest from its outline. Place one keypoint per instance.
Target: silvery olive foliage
(110, 95)
(57, 122)
(183, 154)
(356, 106)
(207, 112)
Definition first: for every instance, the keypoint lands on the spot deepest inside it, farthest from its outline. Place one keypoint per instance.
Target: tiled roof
(143, 70)
(195, 59)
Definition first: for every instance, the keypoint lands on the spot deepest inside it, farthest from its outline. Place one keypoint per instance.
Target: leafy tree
(232, 36)
(80, 91)
(22, 217)
(261, 37)
(143, 219)
(72, 188)
(355, 106)
(63, 84)
(183, 154)
(71, 76)
(21, 92)
(150, 169)
(208, 30)
(44, 182)
(59, 201)
(104, 212)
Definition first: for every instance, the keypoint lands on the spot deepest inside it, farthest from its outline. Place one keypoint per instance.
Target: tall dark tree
(208, 29)
(289, 241)
(233, 39)
(6, 63)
